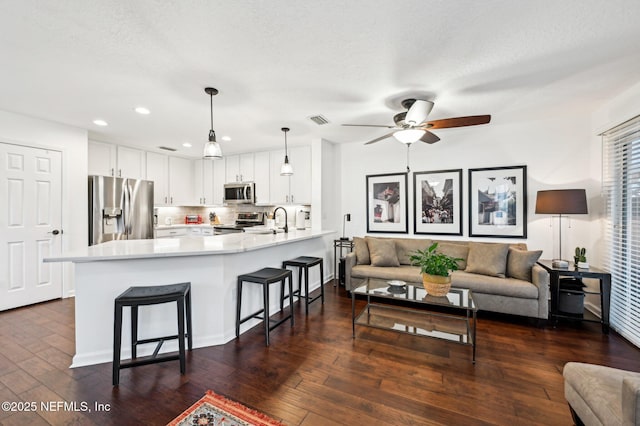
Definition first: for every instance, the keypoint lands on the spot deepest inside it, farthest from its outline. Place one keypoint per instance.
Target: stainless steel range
(243, 220)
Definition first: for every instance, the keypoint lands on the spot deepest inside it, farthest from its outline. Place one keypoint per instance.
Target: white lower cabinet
(171, 233)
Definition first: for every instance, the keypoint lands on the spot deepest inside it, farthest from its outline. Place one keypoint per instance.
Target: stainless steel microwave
(240, 193)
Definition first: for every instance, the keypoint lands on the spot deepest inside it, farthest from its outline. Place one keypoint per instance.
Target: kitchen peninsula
(210, 263)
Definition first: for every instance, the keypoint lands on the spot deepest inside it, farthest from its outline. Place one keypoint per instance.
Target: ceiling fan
(411, 125)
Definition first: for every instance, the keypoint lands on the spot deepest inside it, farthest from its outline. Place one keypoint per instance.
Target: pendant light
(286, 169)
(212, 148)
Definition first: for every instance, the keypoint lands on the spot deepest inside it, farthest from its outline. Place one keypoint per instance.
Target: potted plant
(580, 258)
(435, 268)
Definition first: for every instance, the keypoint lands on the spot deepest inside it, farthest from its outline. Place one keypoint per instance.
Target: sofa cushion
(457, 250)
(405, 247)
(520, 262)
(487, 259)
(362, 251)
(410, 274)
(510, 287)
(382, 251)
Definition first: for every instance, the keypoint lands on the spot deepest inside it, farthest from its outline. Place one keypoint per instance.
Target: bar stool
(304, 263)
(264, 276)
(151, 295)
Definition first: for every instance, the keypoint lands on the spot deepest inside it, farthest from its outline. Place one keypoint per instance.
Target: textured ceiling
(276, 63)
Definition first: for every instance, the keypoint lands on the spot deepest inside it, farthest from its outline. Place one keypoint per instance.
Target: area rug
(214, 409)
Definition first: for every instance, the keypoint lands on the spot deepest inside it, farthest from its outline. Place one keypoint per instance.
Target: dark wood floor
(313, 374)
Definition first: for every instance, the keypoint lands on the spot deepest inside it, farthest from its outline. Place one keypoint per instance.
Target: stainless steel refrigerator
(119, 209)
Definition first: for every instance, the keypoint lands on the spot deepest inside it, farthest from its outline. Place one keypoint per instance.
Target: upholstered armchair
(599, 395)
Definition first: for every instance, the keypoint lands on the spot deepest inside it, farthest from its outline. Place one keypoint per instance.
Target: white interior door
(30, 225)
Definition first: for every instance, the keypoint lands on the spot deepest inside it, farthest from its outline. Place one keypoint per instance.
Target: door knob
(55, 232)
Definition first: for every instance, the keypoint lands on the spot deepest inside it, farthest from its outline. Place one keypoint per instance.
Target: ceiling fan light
(409, 135)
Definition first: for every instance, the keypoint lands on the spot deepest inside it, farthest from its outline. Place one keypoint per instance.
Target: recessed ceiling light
(100, 122)
(226, 138)
(187, 145)
(142, 110)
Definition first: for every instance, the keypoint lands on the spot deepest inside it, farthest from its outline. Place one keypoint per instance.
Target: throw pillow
(455, 250)
(362, 251)
(487, 259)
(405, 247)
(520, 262)
(382, 252)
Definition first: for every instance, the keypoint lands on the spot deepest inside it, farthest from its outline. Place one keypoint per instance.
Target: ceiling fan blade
(380, 138)
(429, 137)
(369, 125)
(472, 120)
(418, 112)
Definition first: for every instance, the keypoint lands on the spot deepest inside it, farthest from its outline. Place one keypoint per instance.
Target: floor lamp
(561, 201)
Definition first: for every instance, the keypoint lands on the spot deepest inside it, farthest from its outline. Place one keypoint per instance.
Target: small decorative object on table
(397, 287)
(435, 268)
(580, 258)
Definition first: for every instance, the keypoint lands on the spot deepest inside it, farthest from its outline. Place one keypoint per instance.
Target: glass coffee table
(407, 308)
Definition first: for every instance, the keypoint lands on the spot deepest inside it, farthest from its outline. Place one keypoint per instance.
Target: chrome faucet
(286, 221)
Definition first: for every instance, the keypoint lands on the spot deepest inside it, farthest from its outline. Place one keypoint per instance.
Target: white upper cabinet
(181, 182)
(158, 172)
(278, 185)
(218, 182)
(173, 180)
(209, 181)
(106, 159)
(131, 163)
(300, 182)
(295, 189)
(102, 159)
(262, 177)
(239, 168)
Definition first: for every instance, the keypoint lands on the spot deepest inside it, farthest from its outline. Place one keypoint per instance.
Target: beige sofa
(503, 277)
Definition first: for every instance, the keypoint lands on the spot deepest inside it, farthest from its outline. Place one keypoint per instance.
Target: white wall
(72, 142)
(555, 149)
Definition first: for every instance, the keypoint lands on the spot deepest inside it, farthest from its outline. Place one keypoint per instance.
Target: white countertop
(187, 246)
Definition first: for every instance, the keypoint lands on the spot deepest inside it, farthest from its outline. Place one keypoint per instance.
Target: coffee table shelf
(409, 309)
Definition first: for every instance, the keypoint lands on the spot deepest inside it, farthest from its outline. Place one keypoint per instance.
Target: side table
(603, 276)
(339, 245)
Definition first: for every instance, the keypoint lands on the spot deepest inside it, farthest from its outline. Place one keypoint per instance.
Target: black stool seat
(151, 295)
(264, 276)
(303, 263)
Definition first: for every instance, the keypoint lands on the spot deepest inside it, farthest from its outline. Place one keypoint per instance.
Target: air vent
(318, 119)
(166, 148)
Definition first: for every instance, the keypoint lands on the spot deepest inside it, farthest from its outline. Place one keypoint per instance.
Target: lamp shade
(409, 135)
(212, 150)
(286, 169)
(562, 201)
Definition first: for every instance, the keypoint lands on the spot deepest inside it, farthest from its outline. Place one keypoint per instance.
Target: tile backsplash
(226, 215)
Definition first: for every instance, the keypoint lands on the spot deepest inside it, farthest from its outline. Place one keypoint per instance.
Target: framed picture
(437, 205)
(387, 203)
(498, 202)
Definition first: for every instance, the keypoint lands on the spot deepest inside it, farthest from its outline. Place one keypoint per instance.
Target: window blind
(621, 193)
